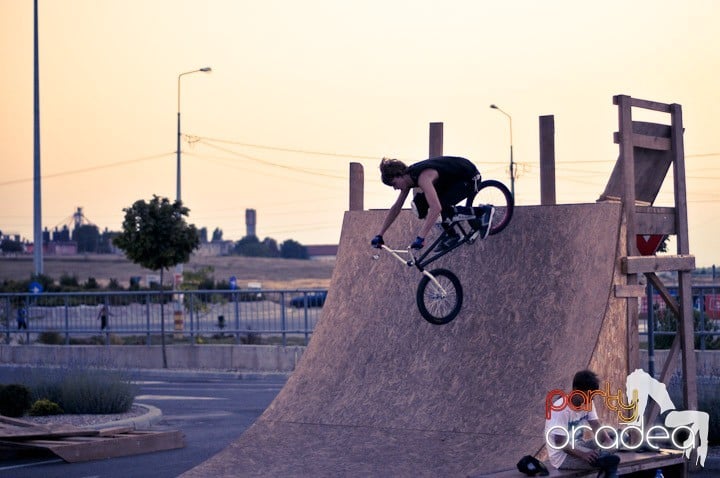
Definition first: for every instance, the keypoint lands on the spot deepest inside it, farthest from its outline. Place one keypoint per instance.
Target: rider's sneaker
(486, 222)
(448, 243)
(463, 213)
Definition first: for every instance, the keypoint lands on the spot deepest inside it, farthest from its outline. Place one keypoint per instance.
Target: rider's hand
(377, 241)
(418, 243)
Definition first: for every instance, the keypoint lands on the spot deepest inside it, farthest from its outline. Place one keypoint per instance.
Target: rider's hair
(390, 169)
(586, 380)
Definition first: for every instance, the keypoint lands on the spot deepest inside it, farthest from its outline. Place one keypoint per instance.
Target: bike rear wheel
(436, 306)
(495, 193)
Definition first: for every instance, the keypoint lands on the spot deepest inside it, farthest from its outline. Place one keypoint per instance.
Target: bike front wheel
(439, 305)
(496, 194)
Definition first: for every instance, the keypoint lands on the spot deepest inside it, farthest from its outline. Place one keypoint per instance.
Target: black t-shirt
(451, 170)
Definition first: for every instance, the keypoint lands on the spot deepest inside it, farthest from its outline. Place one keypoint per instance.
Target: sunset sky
(299, 89)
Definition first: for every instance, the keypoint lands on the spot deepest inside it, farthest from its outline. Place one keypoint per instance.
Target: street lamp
(206, 69)
(177, 313)
(512, 164)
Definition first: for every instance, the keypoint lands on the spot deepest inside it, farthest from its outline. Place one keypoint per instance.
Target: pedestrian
(22, 317)
(103, 316)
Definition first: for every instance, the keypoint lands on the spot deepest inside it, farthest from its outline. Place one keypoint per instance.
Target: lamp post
(512, 164)
(177, 313)
(206, 69)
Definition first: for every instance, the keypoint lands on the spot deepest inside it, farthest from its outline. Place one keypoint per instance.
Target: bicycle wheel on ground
(439, 305)
(498, 195)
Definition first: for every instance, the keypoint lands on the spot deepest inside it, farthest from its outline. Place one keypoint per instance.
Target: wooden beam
(357, 186)
(650, 105)
(645, 264)
(686, 330)
(436, 140)
(655, 220)
(625, 291)
(657, 143)
(547, 160)
(664, 293)
(651, 142)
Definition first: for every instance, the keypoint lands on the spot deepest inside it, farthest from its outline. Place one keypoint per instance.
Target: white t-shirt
(563, 423)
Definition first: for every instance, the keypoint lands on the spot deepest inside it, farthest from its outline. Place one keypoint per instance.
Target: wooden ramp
(75, 444)
(381, 392)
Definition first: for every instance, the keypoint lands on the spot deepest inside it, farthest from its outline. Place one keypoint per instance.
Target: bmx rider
(444, 181)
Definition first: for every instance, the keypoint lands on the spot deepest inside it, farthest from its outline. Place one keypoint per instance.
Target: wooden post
(686, 324)
(547, 160)
(627, 164)
(436, 140)
(357, 185)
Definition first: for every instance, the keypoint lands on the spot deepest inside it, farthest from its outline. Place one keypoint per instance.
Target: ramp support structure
(647, 151)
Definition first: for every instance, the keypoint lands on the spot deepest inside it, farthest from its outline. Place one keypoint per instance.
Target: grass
(272, 273)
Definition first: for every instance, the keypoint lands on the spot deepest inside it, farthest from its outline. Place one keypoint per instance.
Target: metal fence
(238, 316)
(218, 316)
(657, 324)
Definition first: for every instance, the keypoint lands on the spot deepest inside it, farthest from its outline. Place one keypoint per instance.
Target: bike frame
(414, 262)
(430, 255)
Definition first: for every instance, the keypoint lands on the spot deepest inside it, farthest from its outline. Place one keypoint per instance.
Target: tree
(9, 246)
(250, 246)
(156, 236)
(293, 250)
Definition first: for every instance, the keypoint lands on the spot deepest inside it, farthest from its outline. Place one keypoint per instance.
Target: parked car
(312, 299)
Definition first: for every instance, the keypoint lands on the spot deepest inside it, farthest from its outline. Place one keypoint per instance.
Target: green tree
(11, 246)
(250, 246)
(293, 250)
(156, 236)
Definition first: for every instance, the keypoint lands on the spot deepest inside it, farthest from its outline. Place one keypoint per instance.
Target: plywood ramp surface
(382, 392)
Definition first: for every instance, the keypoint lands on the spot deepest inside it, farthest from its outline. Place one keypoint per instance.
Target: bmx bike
(439, 293)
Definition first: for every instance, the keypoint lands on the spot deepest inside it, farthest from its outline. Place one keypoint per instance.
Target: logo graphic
(641, 387)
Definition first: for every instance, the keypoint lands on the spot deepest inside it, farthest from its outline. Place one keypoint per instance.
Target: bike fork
(442, 290)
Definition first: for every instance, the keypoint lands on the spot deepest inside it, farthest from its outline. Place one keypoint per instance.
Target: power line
(268, 163)
(287, 150)
(86, 170)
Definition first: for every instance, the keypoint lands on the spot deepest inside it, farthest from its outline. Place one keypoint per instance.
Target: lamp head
(494, 107)
(207, 69)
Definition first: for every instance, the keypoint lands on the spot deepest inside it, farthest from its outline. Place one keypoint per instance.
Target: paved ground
(211, 409)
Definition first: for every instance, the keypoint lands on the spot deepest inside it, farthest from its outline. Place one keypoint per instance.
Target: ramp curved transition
(381, 392)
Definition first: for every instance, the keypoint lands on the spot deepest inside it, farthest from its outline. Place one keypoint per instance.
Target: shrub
(666, 321)
(80, 391)
(44, 407)
(14, 400)
(69, 281)
(91, 284)
(50, 338)
(96, 392)
(114, 285)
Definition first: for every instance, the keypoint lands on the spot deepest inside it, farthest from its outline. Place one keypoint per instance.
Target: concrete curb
(141, 422)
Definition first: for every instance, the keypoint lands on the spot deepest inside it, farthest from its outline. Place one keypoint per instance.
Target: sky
(300, 89)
